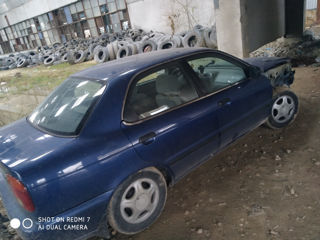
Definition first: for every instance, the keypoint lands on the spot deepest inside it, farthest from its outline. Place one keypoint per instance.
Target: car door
(243, 101)
(165, 121)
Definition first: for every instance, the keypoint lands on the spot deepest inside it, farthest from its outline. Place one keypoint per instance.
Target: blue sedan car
(101, 150)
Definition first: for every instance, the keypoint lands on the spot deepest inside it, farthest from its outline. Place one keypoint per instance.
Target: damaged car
(101, 150)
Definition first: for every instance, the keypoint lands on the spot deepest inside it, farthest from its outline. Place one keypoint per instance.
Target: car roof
(136, 63)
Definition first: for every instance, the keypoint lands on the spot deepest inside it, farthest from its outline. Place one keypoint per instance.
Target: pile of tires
(138, 41)
(20, 60)
(109, 46)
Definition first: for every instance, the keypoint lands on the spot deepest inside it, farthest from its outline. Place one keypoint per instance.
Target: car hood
(267, 63)
(22, 146)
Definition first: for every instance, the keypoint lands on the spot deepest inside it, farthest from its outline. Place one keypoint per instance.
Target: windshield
(65, 109)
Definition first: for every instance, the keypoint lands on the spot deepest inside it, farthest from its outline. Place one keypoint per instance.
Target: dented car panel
(278, 70)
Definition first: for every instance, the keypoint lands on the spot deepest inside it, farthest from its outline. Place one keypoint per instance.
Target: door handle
(148, 138)
(225, 101)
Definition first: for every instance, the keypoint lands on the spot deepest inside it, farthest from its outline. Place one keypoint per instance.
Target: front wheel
(138, 201)
(284, 110)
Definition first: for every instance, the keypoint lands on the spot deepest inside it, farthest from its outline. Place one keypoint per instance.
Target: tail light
(21, 193)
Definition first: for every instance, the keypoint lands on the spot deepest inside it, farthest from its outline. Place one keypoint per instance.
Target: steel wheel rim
(139, 200)
(283, 109)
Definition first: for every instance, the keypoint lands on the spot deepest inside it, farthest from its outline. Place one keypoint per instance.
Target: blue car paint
(68, 176)
(266, 63)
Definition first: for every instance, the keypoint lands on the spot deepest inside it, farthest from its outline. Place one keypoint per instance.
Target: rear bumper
(81, 222)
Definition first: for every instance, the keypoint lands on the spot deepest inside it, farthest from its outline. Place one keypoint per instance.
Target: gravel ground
(266, 186)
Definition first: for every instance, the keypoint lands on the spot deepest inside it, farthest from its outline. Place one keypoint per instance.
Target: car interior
(159, 91)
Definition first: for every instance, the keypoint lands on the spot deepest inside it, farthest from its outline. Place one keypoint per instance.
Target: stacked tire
(108, 47)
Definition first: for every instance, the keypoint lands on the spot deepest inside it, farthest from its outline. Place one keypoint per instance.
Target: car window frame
(245, 67)
(189, 71)
(153, 69)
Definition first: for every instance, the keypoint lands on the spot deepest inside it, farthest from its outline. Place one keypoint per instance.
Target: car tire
(148, 46)
(137, 202)
(284, 109)
(101, 55)
(167, 44)
(208, 39)
(115, 47)
(133, 47)
(80, 56)
(49, 60)
(193, 39)
(22, 62)
(111, 53)
(124, 51)
(65, 58)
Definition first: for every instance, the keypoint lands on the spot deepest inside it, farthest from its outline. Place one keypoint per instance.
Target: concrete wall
(31, 9)
(229, 34)
(245, 25)
(169, 16)
(263, 21)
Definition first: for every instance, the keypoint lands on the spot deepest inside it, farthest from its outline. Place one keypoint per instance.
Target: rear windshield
(65, 109)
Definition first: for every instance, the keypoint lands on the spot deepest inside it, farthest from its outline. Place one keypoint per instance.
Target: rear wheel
(138, 201)
(284, 110)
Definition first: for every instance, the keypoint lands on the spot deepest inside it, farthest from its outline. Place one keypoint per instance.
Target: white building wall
(170, 16)
(31, 9)
(311, 4)
(229, 27)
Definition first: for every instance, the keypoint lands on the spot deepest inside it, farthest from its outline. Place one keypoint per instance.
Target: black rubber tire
(96, 48)
(101, 55)
(133, 48)
(115, 47)
(80, 56)
(22, 62)
(90, 56)
(47, 52)
(70, 57)
(49, 60)
(273, 124)
(208, 38)
(178, 40)
(167, 44)
(4, 68)
(13, 65)
(148, 46)
(91, 48)
(111, 53)
(117, 222)
(34, 60)
(32, 53)
(56, 44)
(8, 61)
(193, 39)
(64, 58)
(124, 51)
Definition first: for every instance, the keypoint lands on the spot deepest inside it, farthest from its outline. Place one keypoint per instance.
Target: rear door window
(158, 92)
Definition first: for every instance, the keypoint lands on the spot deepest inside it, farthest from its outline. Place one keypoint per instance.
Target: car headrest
(167, 84)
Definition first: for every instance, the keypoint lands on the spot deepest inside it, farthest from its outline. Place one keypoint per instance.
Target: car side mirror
(254, 72)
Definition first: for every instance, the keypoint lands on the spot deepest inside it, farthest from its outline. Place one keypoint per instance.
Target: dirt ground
(265, 186)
